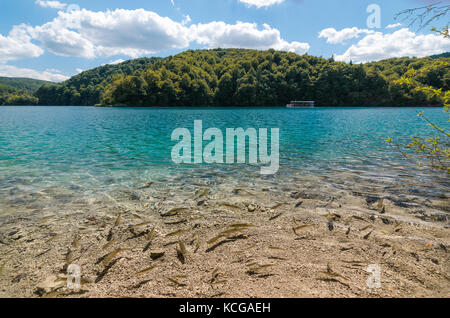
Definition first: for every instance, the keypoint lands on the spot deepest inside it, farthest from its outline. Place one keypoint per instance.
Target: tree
(425, 16)
(433, 149)
(240, 77)
(225, 91)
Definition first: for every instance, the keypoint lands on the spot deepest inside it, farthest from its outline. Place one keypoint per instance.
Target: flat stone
(154, 255)
(49, 284)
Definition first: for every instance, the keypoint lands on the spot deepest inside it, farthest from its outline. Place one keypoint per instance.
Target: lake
(96, 188)
(91, 151)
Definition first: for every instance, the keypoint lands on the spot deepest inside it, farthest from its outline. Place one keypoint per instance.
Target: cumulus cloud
(261, 3)
(186, 20)
(118, 61)
(88, 34)
(244, 35)
(393, 26)
(378, 46)
(48, 75)
(51, 4)
(58, 39)
(334, 37)
(17, 45)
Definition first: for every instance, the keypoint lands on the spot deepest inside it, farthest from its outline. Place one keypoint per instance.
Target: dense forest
(26, 84)
(438, 56)
(19, 91)
(240, 77)
(10, 95)
(87, 87)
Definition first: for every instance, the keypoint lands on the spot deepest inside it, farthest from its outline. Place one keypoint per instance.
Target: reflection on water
(54, 156)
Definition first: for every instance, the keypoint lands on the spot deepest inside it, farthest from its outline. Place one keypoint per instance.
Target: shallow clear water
(90, 150)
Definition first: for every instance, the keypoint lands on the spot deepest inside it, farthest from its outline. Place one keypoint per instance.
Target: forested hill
(438, 56)
(86, 88)
(14, 96)
(19, 91)
(26, 84)
(240, 77)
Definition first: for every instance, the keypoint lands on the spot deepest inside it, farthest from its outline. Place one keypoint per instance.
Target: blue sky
(56, 39)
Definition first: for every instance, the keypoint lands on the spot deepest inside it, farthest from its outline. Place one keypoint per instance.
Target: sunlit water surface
(74, 153)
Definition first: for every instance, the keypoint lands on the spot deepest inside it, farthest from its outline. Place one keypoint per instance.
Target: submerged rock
(372, 200)
(134, 197)
(49, 284)
(156, 254)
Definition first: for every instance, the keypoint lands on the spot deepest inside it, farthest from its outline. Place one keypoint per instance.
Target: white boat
(301, 104)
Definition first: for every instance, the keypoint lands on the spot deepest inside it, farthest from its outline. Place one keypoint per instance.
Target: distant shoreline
(222, 107)
(246, 78)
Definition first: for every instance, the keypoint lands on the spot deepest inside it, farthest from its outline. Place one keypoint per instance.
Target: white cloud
(51, 4)
(90, 34)
(186, 20)
(244, 35)
(134, 33)
(48, 75)
(118, 61)
(378, 46)
(334, 37)
(261, 3)
(393, 26)
(58, 39)
(17, 45)
(53, 70)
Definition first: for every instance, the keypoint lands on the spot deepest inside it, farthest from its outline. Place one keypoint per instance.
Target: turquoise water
(89, 150)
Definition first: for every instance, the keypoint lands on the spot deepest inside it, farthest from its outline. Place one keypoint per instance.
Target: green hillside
(26, 84)
(240, 77)
(14, 96)
(86, 88)
(438, 56)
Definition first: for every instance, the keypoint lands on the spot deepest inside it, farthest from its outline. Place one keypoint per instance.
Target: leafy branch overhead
(433, 150)
(425, 16)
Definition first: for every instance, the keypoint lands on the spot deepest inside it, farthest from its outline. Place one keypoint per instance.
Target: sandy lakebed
(226, 240)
